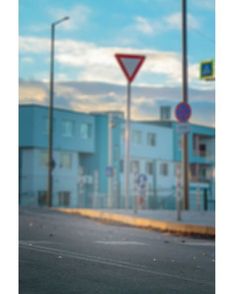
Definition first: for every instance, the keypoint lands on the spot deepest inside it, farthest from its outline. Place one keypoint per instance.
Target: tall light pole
(51, 162)
(185, 99)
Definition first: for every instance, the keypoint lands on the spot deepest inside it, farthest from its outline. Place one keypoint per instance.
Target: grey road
(68, 254)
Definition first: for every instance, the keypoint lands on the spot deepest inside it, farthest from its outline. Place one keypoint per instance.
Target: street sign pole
(130, 65)
(110, 158)
(127, 145)
(178, 191)
(185, 99)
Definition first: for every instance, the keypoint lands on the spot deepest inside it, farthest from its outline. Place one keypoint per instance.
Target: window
(193, 170)
(164, 169)
(202, 149)
(44, 158)
(151, 139)
(135, 167)
(67, 128)
(149, 167)
(64, 198)
(85, 130)
(42, 198)
(165, 112)
(202, 173)
(137, 137)
(65, 160)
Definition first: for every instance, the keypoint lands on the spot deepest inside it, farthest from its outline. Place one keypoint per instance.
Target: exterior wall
(199, 185)
(157, 185)
(33, 140)
(34, 177)
(164, 142)
(33, 123)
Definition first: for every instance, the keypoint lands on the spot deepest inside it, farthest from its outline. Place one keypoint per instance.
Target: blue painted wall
(32, 123)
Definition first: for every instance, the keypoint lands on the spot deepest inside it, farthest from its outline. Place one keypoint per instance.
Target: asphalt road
(67, 254)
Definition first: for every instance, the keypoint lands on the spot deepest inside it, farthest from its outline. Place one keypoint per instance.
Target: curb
(145, 223)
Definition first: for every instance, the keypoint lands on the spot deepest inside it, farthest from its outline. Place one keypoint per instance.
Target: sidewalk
(192, 222)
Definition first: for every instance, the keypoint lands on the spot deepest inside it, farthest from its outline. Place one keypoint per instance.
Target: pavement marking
(121, 243)
(206, 244)
(34, 242)
(110, 262)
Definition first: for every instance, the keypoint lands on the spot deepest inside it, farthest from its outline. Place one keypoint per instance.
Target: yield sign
(130, 64)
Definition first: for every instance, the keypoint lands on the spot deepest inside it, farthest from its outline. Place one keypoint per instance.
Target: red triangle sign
(130, 64)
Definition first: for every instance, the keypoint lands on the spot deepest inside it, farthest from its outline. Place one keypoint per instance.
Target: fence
(199, 200)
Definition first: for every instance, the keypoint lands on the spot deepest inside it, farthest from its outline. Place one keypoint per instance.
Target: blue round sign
(142, 181)
(183, 112)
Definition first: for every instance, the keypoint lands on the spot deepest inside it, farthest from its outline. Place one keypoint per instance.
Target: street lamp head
(60, 20)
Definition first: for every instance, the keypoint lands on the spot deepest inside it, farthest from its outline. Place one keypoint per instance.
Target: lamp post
(185, 99)
(51, 162)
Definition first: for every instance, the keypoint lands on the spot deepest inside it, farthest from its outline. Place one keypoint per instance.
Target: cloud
(34, 45)
(173, 21)
(151, 27)
(94, 96)
(96, 63)
(33, 92)
(144, 26)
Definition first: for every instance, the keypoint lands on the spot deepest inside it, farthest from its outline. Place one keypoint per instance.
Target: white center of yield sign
(130, 64)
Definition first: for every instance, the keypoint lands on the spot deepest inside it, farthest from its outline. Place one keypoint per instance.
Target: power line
(204, 35)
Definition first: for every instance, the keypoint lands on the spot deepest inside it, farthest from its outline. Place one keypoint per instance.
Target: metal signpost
(130, 65)
(178, 191)
(183, 112)
(185, 97)
(141, 190)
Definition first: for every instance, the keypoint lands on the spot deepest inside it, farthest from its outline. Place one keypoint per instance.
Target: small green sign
(207, 70)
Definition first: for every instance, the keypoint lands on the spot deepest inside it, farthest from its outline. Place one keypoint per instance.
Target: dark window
(202, 150)
(42, 198)
(149, 168)
(164, 169)
(64, 198)
(151, 139)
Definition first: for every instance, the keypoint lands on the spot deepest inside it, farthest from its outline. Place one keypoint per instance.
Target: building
(201, 150)
(89, 160)
(73, 142)
(151, 156)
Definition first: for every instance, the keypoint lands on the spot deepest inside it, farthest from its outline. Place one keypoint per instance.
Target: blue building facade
(201, 154)
(73, 141)
(89, 154)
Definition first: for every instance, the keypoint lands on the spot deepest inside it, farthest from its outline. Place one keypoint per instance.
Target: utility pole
(110, 159)
(51, 163)
(185, 99)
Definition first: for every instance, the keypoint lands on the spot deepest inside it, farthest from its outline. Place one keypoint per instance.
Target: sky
(87, 75)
